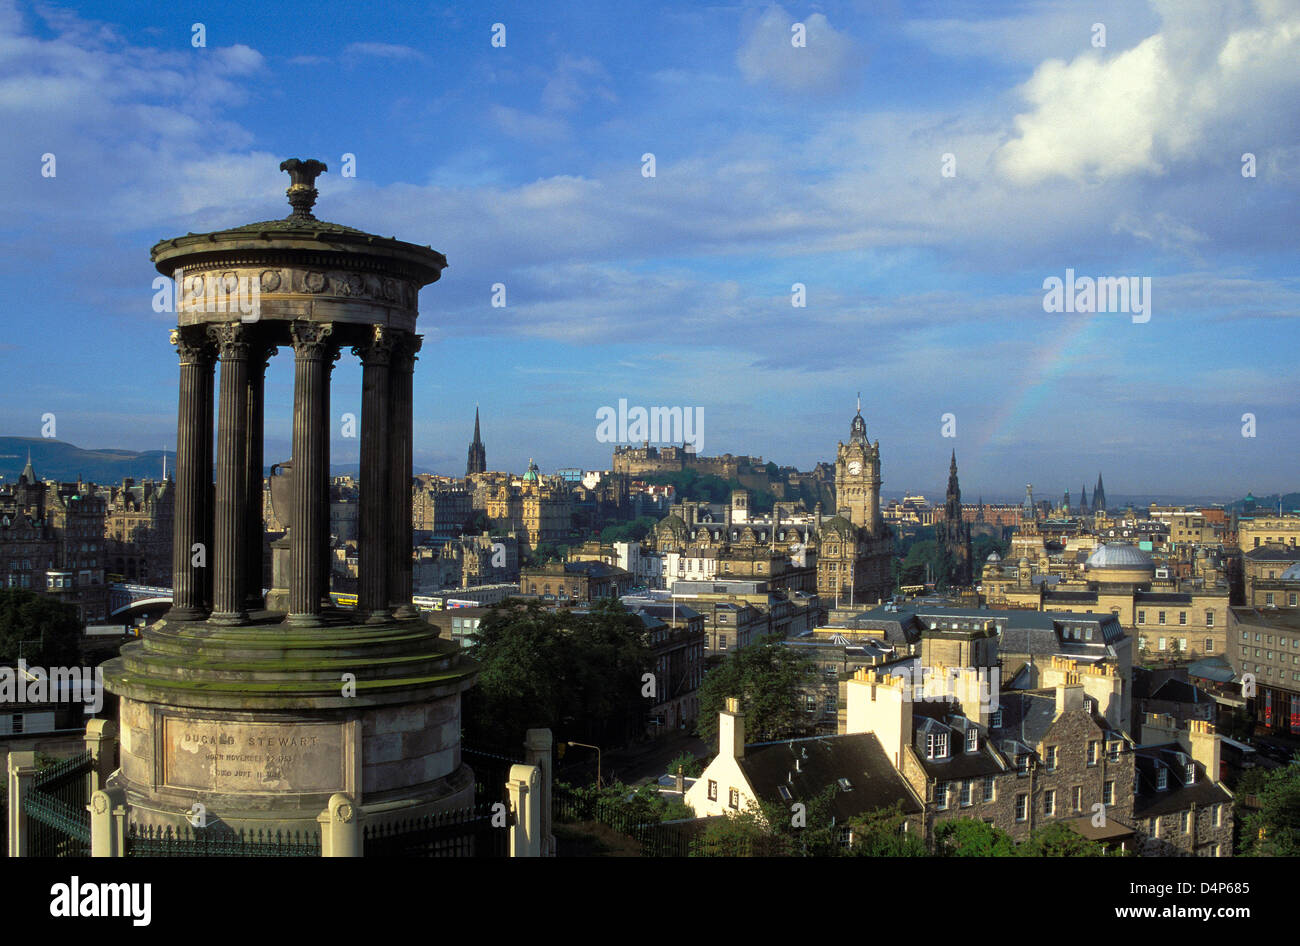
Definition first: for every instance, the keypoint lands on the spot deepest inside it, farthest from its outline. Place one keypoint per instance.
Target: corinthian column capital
(231, 339)
(379, 348)
(312, 340)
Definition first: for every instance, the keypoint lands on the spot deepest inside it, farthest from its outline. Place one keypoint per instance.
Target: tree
(1059, 840)
(578, 673)
(774, 829)
(769, 679)
(42, 631)
(691, 767)
(1274, 829)
(883, 833)
(967, 837)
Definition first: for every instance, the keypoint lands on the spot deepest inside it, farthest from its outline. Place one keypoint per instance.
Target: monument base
(257, 726)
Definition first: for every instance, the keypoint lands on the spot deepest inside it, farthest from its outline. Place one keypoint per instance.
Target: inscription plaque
(238, 757)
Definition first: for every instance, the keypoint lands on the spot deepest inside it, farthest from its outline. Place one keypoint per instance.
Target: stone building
(1265, 642)
(477, 459)
(1181, 806)
(955, 531)
(440, 508)
(539, 510)
(677, 642)
(52, 542)
(855, 547)
(574, 582)
(138, 530)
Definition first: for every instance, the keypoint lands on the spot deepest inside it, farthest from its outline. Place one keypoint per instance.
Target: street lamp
(587, 746)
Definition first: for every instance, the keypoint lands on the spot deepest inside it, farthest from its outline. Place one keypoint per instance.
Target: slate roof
(1150, 802)
(1267, 553)
(822, 761)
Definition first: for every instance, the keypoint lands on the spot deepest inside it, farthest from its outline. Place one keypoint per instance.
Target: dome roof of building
(994, 556)
(531, 475)
(1120, 555)
(1292, 573)
(840, 526)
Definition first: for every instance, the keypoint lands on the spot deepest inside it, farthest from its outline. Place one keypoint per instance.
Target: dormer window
(972, 739)
(1162, 779)
(936, 745)
(1190, 773)
(1022, 763)
(996, 721)
(1087, 705)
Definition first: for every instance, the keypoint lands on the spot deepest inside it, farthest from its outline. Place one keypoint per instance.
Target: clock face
(855, 468)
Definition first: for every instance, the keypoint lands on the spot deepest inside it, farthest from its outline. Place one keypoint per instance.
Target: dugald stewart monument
(259, 710)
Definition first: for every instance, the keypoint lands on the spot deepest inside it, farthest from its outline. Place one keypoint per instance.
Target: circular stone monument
(260, 709)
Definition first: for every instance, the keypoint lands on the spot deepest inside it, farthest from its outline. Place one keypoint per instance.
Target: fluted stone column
(254, 562)
(209, 487)
(196, 358)
(231, 522)
(311, 350)
(327, 564)
(373, 550)
(399, 490)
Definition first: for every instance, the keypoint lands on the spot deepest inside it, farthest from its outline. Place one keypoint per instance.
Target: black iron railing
(480, 831)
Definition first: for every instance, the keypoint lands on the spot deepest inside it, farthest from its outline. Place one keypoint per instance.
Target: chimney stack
(731, 730)
(1069, 694)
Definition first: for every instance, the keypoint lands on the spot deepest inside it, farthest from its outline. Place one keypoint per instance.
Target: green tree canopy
(1274, 829)
(769, 678)
(967, 837)
(578, 673)
(1058, 840)
(43, 631)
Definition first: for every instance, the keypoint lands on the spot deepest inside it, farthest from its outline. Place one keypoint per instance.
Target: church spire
(477, 461)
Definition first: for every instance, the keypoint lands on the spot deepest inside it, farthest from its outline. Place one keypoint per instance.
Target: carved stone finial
(302, 191)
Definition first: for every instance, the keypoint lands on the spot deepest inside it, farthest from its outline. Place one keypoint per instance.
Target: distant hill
(56, 460)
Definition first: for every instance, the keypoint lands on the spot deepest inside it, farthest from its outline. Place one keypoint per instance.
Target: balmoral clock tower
(857, 477)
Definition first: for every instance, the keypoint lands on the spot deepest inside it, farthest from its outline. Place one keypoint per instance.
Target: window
(1022, 763)
(967, 793)
(1022, 807)
(1108, 793)
(936, 745)
(1051, 758)
(1209, 619)
(1092, 752)
(1162, 643)
(941, 795)
(1160, 617)
(1186, 822)
(1162, 779)
(1049, 802)
(1209, 645)
(1268, 599)
(1218, 818)
(713, 790)
(990, 788)
(996, 721)
(1078, 798)
(1142, 617)
(1114, 752)
(972, 739)
(1189, 774)
(1182, 617)
(733, 798)
(17, 723)
(722, 642)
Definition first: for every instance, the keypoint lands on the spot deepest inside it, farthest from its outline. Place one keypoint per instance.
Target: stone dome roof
(838, 526)
(1120, 555)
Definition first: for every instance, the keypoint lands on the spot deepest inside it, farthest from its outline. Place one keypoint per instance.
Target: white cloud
(828, 63)
(1178, 95)
(388, 51)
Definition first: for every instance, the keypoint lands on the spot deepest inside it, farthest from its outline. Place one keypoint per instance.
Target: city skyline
(825, 170)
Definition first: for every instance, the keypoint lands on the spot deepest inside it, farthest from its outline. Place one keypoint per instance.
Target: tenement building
(1266, 644)
(138, 530)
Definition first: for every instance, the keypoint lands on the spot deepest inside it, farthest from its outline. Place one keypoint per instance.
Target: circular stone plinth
(260, 724)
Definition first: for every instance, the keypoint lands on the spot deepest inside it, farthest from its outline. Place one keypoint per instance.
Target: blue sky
(774, 165)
